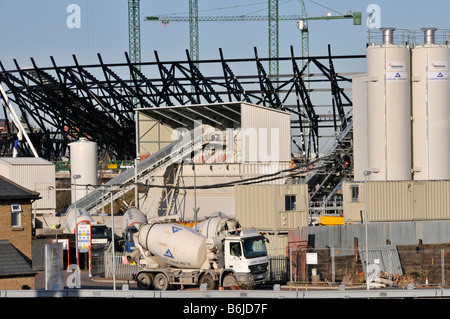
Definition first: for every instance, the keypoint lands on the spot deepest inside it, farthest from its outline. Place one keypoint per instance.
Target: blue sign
(175, 229)
(168, 254)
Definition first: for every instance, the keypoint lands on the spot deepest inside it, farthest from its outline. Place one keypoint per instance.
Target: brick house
(15, 236)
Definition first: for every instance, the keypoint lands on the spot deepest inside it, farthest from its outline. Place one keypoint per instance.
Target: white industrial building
(238, 141)
(36, 174)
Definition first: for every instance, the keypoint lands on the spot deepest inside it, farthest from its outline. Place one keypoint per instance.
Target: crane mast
(273, 19)
(134, 31)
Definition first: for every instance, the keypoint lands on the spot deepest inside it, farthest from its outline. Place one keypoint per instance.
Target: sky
(39, 29)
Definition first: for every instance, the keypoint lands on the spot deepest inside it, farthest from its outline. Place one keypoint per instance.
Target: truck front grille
(258, 269)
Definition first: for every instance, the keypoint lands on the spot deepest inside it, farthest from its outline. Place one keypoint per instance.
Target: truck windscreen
(254, 247)
(99, 232)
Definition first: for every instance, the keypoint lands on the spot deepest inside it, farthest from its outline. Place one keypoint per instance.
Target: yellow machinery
(331, 220)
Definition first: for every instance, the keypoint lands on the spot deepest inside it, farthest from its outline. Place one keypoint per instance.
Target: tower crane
(273, 17)
(134, 31)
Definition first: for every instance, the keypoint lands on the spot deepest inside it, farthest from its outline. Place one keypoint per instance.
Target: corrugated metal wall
(263, 206)
(398, 201)
(35, 174)
(398, 233)
(389, 201)
(152, 135)
(437, 199)
(272, 129)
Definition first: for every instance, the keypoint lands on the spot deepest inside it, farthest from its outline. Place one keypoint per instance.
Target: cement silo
(431, 108)
(389, 109)
(83, 165)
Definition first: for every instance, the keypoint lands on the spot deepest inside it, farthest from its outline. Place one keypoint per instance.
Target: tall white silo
(83, 163)
(431, 108)
(389, 109)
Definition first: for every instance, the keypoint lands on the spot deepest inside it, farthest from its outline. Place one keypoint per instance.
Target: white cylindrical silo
(431, 109)
(83, 165)
(389, 110)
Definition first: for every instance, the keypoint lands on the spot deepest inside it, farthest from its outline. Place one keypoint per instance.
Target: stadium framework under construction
(314, 145)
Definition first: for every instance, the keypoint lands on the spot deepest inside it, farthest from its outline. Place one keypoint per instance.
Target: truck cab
(129, 244)
(246, 256)
(100, 234)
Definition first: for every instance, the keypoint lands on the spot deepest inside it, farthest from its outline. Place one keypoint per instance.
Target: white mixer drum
(177, 245)
(76, 217)
(133, 217)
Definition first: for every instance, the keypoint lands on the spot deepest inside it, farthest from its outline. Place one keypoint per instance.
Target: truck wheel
(144, 281)
(208, 280)
(229, 281)
(161, 282)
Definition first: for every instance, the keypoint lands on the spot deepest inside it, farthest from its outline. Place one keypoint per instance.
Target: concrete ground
(87, 282)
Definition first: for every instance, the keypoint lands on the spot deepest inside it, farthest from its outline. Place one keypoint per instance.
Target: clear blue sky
(37, 28)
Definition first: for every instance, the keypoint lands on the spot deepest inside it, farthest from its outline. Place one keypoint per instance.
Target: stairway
(329, 173)
(152, 165)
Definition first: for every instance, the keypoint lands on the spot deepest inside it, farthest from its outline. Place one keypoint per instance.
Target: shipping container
(396, 200)
(272, 207)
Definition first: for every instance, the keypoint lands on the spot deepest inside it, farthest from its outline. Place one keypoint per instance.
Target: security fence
(384, 266)
(123, 269)
(388, 266)
(103, 267)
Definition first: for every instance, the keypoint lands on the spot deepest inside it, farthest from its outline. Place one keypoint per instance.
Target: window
(235, 249)
(16, 210)
(254, 247)
(354, 189)
(289, 201)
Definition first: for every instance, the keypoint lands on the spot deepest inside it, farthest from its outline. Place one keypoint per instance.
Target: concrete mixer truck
(100, 235)
(131, 219)
(171, 254)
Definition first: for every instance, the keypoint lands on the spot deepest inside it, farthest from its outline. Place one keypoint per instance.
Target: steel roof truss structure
(98, 101)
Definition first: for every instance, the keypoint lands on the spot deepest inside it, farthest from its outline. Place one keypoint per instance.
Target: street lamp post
(136, 194)
(113, 241)
(75, 177)
(366, 175)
